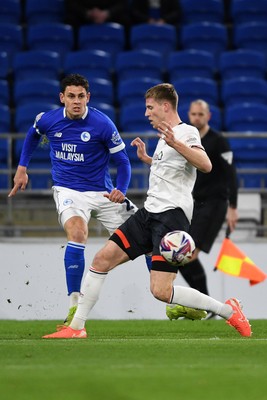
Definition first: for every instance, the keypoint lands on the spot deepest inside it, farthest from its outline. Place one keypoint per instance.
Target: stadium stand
(193, 88)
(132, 118)
(130, 91)
(208, 36)
(5, 118)
(109, 37)
(102, 91)
(188, 63)
(4, 90)
(36, 63)
(203, 10)
(52, 36)
(40, 90)
(242, 62)
(91, 63)
(11, 11)
(246, 117)
(138, 64)
(162, 38)
(4, 65)
(248, 10)
(26, 113)
(251, 35)
(11, 38)
(39, 11)
(244, 89)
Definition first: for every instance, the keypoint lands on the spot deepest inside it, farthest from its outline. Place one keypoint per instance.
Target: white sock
(189, 297)
(74, 296)
(90, 291)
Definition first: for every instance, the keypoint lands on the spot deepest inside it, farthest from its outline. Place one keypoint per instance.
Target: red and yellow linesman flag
(233, 261)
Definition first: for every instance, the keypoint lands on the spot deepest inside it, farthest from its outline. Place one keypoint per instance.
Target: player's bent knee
(109, 257)
(162, 294)
(100, 262)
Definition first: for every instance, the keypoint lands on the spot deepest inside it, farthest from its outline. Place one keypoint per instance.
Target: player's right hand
(141, 147)
(141, 150)
(20, 181)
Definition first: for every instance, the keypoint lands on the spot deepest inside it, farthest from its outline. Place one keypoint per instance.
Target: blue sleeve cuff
(122, 162)
(30, 143)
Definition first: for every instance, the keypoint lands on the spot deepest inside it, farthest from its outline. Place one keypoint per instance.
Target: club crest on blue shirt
(116, 139)
(85, 136)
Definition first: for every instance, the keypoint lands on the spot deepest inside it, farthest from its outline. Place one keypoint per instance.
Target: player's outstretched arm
(20, 180)
(196, 156)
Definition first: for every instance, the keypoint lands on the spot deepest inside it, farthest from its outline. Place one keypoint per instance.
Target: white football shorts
(71, 203)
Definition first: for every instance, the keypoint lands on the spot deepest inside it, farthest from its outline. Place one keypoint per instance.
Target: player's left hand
(116, 196)
(166, 133)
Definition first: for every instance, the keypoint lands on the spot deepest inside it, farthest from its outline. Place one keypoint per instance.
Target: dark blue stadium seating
(246, 117)
(242, 62)
(4, 65)
(5, 118)
(4, 90)
(109, 37)
(40, 90)
(202, 10)
(132, 118)
(39, 11)
(90, 63)
(139, 63)
(11, 11)
(244, 89)
(11, 38)
(132, 90)
(208, 36)
(248, 10)
(102, 91)
(251, 35)
(190, 89)
(52, 36)
(189, 63)
(36, 64)
(26, 113)
(161, 38)
(200, 57)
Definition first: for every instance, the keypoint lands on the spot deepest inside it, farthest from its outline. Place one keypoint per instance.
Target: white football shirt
(172, 177)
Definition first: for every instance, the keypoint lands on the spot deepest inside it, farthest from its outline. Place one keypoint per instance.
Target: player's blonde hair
(163, 91)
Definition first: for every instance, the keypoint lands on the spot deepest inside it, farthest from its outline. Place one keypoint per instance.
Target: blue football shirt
(80, 149)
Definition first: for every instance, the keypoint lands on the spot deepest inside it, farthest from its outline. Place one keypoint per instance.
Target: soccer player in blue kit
(82, 140)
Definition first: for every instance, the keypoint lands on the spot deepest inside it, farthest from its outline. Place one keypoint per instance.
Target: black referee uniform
(213, 193)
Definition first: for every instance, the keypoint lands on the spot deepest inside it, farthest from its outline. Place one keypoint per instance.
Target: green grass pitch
(134, 360)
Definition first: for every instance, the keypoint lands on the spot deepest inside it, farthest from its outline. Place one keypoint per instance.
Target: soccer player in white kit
(168, 207)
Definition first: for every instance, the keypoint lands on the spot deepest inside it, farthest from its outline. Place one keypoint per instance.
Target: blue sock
(148, 262)
(74, 266)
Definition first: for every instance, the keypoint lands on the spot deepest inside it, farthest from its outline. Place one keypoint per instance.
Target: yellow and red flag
(233, 261)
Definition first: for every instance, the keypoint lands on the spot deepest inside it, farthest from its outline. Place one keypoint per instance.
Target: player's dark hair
(74, 80)
(163, 91)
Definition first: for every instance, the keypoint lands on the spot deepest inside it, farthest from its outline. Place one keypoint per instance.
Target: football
(177, 247)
